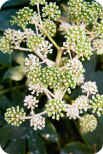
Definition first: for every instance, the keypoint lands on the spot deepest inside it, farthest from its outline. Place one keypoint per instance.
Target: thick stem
(51, 39)
(59, 56)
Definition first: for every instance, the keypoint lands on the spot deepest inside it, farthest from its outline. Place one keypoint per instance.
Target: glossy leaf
(5, 17)
(35, 144)
(76, 148)
(16, 147)
(16, 3)
(49, 133)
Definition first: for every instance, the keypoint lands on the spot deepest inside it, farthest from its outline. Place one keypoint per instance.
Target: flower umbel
(88, 123)
(97, 104)
(37, 122)
(31, 102)
(15, 116)
(89, 88)
(55, 109)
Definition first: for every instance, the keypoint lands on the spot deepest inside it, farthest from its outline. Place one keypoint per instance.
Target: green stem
(38, 10)
(51, 39)
(59, 56)
(59, 49)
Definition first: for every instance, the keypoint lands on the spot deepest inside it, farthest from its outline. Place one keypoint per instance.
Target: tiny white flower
(37, 122)
(37, 88)
(83, 103)
(45, 47)
(30, 62)
(77, 69)
(72, 111)
(31, 102)
(89, 88)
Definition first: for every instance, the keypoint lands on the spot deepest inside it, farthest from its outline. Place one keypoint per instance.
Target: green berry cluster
(51, 11)
(68, 80)
(50, 27)
(14, 116)
(80, 11)
(88, 123)
(97, 104)
(35, 2)
(78, 42)
(55, 109)
(34, 41)
(34, 76)
(23, 17)
(51, 77)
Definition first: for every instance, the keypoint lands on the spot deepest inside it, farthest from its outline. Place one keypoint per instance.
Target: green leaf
(4, 59)
(4, 102)
(12, 3)
(5, 135)
(49, 133)
(5, 17)
(98, 78)
(76, 148)
(90, 66)
(14, 73)
(16, 147)
(35, 143)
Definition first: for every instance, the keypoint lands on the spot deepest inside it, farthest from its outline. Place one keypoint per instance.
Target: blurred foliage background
(61, 137)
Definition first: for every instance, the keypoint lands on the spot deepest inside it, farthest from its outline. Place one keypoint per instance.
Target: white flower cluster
(82, 103)
(37, 122)
(89, 88)
(36, 89)
(30, 102)
(72, 111)
(45, 47)
(77, 69)
(30, 62)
